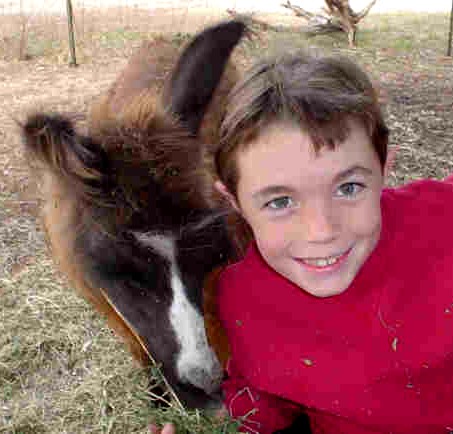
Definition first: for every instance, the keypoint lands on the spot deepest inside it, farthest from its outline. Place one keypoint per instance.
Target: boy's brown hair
(318, 93)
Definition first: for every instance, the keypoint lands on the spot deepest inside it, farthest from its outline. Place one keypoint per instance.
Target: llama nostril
(207, 378)
(207, 374)
(202, 379)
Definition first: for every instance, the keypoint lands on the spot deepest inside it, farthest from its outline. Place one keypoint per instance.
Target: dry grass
(61, 370)
(56, 361)
(95, 29)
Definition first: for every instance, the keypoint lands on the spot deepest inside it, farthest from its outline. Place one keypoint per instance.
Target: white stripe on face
(196, 361)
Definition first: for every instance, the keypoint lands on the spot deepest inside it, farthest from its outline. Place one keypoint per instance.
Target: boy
(342, 307)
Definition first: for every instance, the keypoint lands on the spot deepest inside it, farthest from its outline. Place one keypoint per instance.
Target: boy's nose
(318, 223)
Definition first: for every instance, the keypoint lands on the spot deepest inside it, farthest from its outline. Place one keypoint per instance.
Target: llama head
(134, 228)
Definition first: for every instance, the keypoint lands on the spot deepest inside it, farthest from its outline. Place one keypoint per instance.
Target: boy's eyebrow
(356, 169)
(271, 190)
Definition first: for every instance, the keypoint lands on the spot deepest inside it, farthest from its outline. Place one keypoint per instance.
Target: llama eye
(282, 202)
(350, 189)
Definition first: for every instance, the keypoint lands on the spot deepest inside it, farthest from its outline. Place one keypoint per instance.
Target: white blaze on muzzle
(197, 363)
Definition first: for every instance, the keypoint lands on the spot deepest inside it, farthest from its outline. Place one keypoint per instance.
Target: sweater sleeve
(259, 412)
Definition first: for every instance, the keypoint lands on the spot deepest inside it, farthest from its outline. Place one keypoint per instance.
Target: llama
(129, 207)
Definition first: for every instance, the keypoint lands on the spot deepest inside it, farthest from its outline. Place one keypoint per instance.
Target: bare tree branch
(337, 16)
(364, 12)
(251, 21)
(298, 11)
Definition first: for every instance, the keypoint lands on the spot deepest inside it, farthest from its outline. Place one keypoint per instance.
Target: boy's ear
(221, 188)
(199, 70)
(390, 161)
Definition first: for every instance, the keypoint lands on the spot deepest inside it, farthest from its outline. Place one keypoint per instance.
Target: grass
(20, 237)
(118, 37)
(61, 369)
(388, 36)
(95, 30)
(43, 47)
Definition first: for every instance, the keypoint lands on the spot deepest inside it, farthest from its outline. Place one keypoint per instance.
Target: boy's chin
(328, 292)
(321, 288)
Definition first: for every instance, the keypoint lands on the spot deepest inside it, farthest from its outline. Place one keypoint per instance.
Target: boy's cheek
(272, 240)
(368, 219)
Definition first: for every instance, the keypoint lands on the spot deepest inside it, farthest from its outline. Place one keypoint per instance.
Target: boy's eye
(350, 189)
(280, 203)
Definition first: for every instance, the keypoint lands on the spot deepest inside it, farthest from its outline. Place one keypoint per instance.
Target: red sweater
(377, 358)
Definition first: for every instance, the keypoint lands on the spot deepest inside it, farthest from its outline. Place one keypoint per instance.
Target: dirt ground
(24, 88)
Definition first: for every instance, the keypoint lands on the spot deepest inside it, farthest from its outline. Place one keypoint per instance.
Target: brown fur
(60, 213)
(216, 334)
(133, 103)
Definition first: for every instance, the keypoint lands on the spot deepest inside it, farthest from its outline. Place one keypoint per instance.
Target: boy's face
(315, 218)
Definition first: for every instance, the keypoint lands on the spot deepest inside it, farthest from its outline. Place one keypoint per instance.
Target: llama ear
(199, 70)
(52, 143)
(42, 132)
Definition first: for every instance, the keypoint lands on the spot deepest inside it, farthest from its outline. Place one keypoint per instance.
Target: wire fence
(39, 28)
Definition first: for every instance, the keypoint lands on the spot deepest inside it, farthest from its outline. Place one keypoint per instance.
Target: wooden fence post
(23, 41)
(451, 31)
(73, 61)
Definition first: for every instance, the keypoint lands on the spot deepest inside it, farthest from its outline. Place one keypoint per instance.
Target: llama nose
(208, 381)
(207, 374)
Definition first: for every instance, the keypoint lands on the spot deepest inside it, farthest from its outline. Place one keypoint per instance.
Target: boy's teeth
(322, 262)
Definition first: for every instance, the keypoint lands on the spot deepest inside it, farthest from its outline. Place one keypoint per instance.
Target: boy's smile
(326, 263)
(316, 217)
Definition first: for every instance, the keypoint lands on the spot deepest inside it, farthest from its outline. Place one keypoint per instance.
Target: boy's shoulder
(422, 189)
(248, 281)
(419, 200)
(416, 221)
(237, 274)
